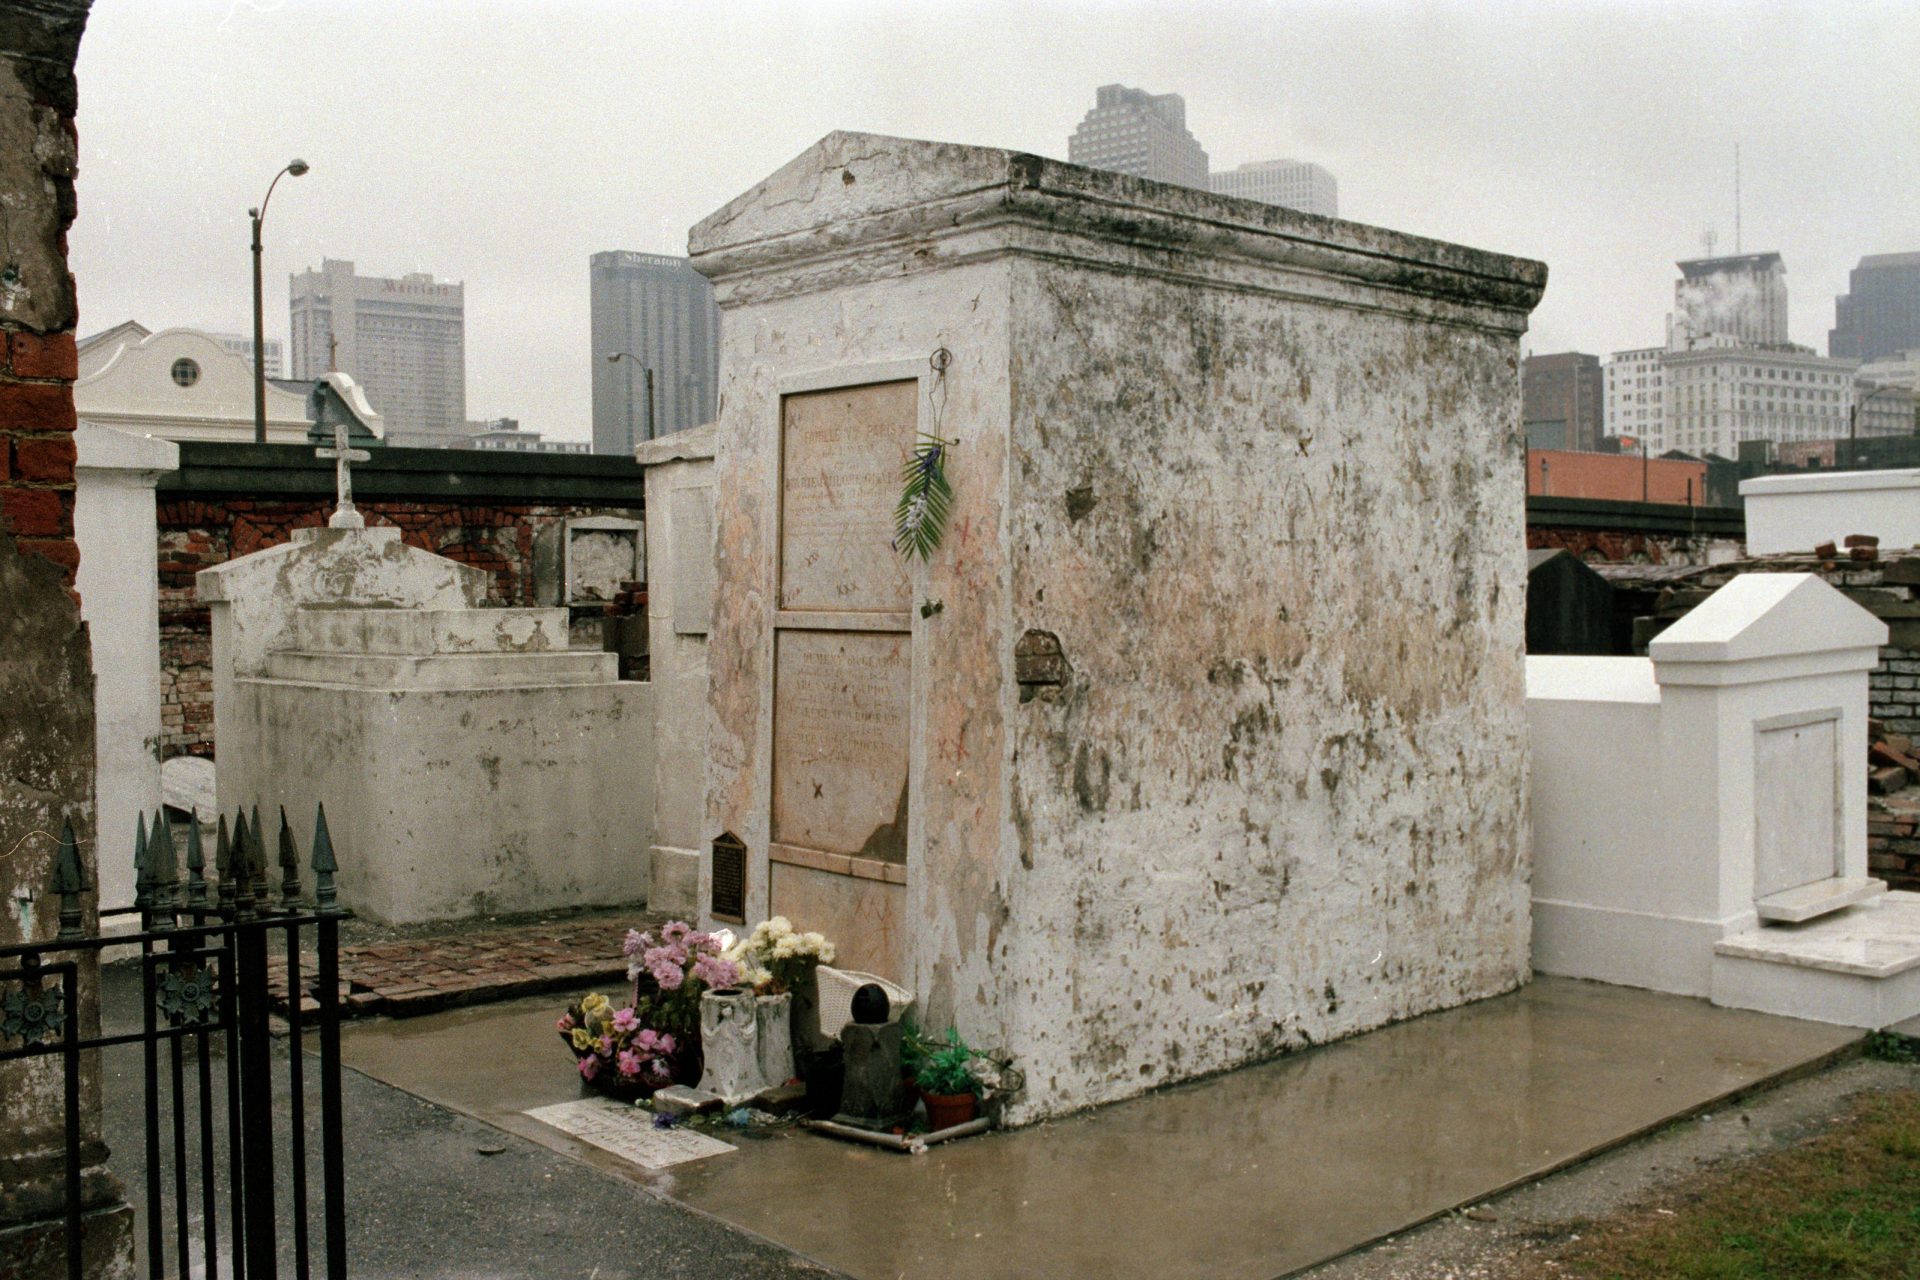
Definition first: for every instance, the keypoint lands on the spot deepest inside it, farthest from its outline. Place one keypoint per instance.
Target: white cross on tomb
(344, 516)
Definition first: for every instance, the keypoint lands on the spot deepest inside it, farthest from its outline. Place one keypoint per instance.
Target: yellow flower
(582, 1040)
(595, 1003)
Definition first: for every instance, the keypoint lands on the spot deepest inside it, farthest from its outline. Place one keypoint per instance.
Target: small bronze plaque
(729, 879)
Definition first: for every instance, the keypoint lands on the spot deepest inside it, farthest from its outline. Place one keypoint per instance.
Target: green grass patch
(1844, 1205)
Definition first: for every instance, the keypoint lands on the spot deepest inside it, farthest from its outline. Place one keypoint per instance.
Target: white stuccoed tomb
(1202, 735)
(470, 762)
(679, 538)
(119, 583)
(1699, 815)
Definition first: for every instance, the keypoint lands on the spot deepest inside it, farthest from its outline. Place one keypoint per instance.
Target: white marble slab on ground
(627, 1132)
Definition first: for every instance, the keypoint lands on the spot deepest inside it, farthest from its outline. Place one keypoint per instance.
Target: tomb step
(1822, 897)
(1859, 967)
(428, 631)
(446, 670)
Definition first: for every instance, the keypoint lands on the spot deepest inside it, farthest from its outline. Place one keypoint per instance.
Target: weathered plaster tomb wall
(1258, 475)
(46, 672)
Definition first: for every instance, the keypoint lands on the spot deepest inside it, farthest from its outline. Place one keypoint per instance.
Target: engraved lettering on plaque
(840, 742)
(841, 455)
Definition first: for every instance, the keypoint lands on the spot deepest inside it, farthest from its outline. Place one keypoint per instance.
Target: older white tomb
(1699, 815)
(468, 759)
(119, 583)
(679, 549)
(1202, 734)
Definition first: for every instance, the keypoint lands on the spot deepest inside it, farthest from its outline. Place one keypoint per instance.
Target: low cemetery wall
(1662, 533)
(502, 513)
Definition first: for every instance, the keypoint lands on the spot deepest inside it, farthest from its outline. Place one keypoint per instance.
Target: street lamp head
(297, 168)
(613, 357)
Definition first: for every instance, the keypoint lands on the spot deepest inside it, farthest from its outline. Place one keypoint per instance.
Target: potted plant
(947, 1081)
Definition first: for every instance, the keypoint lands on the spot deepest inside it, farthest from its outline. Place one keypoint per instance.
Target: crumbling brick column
(46, 671)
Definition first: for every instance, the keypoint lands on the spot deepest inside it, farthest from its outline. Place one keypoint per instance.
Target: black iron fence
(213, 1166)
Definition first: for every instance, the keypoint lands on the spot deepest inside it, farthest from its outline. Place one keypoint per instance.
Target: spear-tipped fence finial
(223, 864)
(163, 870)
(289, 864)
(242, 866)
(142, 883)
(325, 896)
(259, 833)
(196, 865)
(69, 881)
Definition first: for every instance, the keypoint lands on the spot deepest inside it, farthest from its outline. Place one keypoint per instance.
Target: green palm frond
(925, 498)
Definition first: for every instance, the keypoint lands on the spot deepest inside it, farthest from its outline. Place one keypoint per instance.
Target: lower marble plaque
(628, 1132)
(840, 706)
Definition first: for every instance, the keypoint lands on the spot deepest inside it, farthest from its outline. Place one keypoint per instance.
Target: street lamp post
(259, 215)
(615, 357)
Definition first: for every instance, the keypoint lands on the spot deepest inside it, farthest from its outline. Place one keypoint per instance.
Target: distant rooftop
(1693, 268)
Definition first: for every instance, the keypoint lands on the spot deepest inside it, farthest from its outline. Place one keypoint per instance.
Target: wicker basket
(836, 988)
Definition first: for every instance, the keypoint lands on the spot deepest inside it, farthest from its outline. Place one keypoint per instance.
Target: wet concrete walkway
(1250, 1175)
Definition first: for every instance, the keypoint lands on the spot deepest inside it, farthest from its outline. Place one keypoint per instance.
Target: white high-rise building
(243, 347)
(1144, 134)
(1295, 184)
(1634, 391)
(403, 340)
(1720, 393)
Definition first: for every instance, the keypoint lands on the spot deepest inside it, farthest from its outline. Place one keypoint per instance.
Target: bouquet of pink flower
(614, 1049)
(670, 972)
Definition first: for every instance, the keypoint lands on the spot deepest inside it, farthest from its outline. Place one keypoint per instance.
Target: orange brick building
(1620, 477)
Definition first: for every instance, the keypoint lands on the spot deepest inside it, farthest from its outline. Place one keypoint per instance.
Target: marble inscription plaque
(840, 706)
(841, 454)
(628, 1132)
(1796, 843)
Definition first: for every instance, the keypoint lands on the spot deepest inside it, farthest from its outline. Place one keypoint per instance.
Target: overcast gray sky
(500, 144)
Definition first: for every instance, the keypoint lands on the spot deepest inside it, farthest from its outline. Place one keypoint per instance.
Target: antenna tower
(1736, 198)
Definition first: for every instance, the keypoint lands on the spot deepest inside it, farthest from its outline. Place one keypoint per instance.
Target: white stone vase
(747, 1041)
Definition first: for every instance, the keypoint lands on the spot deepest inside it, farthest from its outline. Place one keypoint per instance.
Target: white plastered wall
(114, 525)
(1645, 797)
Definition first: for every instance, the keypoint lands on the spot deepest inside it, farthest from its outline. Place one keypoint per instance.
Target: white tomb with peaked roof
(1699, 815)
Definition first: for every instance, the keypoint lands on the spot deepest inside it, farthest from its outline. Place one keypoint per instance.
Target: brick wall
(36, 445)
(198, 532)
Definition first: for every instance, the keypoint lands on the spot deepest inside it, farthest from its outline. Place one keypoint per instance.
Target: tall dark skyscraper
(661, 311)
(1879, 315)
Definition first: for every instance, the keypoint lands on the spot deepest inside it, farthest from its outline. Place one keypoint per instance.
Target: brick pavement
(470, 965)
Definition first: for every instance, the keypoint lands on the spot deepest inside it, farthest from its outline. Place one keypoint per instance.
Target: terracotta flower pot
(945, 1110)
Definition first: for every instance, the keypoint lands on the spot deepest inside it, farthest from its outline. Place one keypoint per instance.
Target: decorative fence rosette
(185, 994)
(33, 1015)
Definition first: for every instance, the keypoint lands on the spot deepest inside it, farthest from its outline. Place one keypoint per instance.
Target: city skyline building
(1563, 401)
(402, 339)
(1879, 315)
(1292, 184)
(1742, 297)
(242, 346)
(1144, 134)
(1635, 395)
(659, 311)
